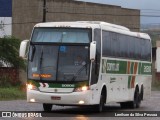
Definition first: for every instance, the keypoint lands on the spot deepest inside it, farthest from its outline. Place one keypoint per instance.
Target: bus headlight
(31, 87)
(81, 89)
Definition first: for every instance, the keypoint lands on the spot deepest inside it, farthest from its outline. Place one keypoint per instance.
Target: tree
(9, 52)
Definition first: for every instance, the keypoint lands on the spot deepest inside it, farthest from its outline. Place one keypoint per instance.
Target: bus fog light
(81, 102)
(32, 100)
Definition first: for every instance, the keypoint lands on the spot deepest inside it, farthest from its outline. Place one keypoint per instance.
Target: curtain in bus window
(148, 50)
(106, 45)
(123, 46)
(143, 50)
(131, 47)
(137, 49)
(115, 47)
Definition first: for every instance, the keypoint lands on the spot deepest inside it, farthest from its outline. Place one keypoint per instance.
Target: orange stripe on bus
(133, 81)
(135, 67)
(134, 72)
(128, 67)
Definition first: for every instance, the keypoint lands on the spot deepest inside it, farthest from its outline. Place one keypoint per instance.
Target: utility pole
(44, 11)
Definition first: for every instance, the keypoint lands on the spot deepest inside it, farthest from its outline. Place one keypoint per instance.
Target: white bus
(87, 63)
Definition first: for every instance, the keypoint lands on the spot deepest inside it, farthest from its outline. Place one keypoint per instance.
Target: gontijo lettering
(112, 66)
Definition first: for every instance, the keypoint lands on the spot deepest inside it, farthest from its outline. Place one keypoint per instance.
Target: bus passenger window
(106, 51)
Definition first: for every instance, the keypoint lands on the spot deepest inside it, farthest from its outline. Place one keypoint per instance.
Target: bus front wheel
(100, 106)
(47, 107)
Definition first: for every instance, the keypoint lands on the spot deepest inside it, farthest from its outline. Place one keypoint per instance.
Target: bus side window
(106, 39)
(115, 46)
(131, 47)
(143, 49)
(137, 51)
(148, 50)
(123, 46)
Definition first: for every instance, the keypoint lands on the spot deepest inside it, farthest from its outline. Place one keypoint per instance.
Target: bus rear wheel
(47, 107)
(141, 93)
(137, 100)
(132, 104)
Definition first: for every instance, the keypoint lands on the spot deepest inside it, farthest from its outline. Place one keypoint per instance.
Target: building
(26, 13)
(5, 18)
(17, 17)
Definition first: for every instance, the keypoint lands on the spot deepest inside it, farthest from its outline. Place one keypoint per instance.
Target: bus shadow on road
(84, 111)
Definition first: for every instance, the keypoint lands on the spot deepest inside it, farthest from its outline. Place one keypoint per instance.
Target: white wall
(5, 26)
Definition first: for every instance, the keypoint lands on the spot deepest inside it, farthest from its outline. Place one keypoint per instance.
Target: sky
(147, 7)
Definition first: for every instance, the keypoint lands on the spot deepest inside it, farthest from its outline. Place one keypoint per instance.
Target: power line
(149, 10)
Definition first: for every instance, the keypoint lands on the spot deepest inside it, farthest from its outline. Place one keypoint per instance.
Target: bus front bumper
(74, 98)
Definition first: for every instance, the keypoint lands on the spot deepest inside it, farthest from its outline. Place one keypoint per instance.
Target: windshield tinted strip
(61, 35)
(51, 43)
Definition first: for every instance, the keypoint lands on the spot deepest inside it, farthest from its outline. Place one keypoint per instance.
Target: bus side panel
(122, 76)
(117, 88)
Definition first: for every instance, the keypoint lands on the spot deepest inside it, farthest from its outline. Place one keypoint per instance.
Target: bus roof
(95, 24)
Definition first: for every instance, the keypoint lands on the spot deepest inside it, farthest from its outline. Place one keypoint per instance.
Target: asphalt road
(112, 111)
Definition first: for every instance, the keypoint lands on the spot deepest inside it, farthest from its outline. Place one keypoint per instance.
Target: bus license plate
(55, 98)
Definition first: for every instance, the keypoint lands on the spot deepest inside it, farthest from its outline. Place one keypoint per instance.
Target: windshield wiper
(79, 71)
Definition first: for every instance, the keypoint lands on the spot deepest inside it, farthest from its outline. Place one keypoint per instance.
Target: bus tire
(100, 106)
(137, 101)
(47, 107)
(141, 93)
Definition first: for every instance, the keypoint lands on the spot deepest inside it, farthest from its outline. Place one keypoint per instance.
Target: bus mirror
(23, 49)
(92, 50)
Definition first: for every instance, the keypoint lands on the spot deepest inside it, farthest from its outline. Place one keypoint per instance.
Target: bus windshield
(59, 63)
(61, 35)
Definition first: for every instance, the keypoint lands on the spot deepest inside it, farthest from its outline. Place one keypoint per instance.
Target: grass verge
(12, 93)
